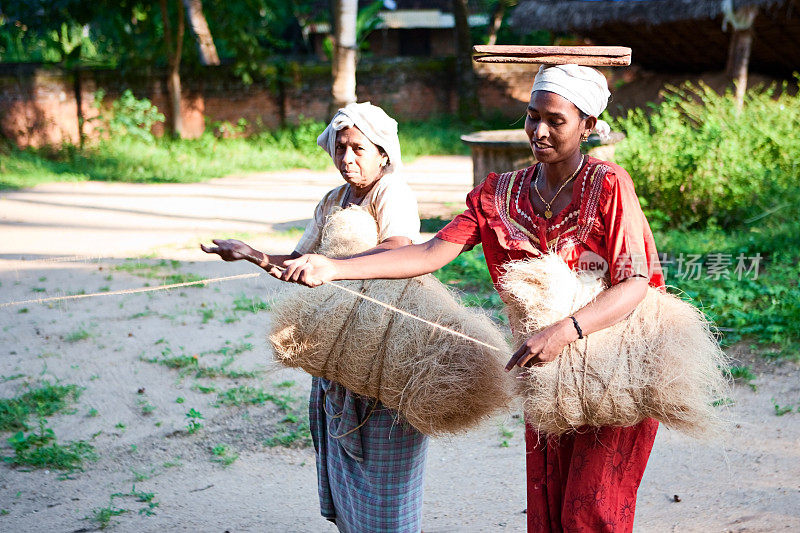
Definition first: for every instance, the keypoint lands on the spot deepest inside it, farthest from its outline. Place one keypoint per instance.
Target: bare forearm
(610, 306)
(404, 262)
(389, 244)
(264, 261)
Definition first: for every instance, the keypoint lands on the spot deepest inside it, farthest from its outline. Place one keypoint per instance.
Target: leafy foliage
(43, 401)
(699, 160)
(40, 450)
(128, 115)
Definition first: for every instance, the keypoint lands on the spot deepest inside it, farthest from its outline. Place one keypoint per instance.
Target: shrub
(697, 159)
(128, 116)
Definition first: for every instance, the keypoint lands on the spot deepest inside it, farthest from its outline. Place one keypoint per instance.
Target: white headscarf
(373, 122)
(583, 86)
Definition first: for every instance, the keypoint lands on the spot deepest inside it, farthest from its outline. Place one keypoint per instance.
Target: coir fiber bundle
(662, 361)
(439, 382)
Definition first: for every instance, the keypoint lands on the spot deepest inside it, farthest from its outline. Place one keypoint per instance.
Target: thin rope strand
(243, 276)
(392, 308)
(128, 291)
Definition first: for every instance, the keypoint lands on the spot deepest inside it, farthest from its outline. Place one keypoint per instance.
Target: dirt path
(133, 406)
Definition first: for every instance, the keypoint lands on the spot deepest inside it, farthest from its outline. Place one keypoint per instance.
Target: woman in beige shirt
(370, 464)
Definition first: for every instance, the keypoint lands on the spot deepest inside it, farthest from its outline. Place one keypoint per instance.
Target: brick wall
(39, 104)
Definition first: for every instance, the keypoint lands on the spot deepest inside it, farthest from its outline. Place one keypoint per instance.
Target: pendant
(548, 213)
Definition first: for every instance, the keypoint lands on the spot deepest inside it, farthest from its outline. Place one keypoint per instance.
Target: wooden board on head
(590, 56)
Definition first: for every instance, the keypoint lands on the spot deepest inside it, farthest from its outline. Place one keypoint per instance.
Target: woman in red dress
(586, 211)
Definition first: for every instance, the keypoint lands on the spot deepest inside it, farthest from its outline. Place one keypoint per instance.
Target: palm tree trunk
(739, 50)
(205, 42)
(175, 115)
(343, 67)
(496, 21)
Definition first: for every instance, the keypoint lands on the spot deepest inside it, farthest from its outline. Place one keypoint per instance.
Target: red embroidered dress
(586, 480)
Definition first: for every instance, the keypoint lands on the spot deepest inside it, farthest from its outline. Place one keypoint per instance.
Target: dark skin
(361, 164)
(554, 127)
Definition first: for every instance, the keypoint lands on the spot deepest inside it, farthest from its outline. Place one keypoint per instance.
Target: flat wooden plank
(587, 61)
(538, 51)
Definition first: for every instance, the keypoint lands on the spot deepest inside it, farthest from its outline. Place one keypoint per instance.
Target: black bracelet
(577, 327)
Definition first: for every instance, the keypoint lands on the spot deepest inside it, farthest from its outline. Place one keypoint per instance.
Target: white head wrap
(373, 122)
(583, 86)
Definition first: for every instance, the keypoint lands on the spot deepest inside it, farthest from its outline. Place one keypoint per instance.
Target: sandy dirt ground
(133, 408)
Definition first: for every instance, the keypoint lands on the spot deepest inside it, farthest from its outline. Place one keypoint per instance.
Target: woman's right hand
(230, 250)
(311, 270)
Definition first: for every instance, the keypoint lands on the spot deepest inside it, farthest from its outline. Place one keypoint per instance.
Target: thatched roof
(578, 15)
(672, 35)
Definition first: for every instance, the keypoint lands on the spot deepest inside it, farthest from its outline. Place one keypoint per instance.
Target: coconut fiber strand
(662, 361)
(439, 382)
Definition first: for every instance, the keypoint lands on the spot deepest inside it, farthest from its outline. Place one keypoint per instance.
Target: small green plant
(79, 334)
(121, 426)
(251, 304)
(743, 374)
(142, 476)
(781, 410)
(223, 455)
(92, 412)
(194, 421)
(175, 463)
(207, 315)
(141, 497)
(102, 516)
(40, 450)
(292, 431)
(23, 310)
(146, 407)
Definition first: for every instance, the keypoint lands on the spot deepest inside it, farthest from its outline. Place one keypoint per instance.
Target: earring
(584, 137)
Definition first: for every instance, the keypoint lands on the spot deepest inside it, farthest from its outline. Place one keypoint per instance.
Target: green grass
(766, 310)
(102, 516)
(292, 430)
(140, 497)
(190, 364)
(45, 400)
(40, 450)
(127, 159)
(223, 455)
(162, 270)
(80, 334)
(251, 304)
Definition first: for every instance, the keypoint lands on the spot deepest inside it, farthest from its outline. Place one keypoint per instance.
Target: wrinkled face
(359, 161)
(554, 127)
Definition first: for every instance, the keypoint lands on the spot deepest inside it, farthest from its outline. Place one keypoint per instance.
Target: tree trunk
(468, 104)
(496, 21)
(739, 50)
(344, 53)
(175, 116)
(205, 43)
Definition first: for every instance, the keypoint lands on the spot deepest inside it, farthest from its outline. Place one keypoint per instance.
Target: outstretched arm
(404, 262)
(610, 306)
(234, 250)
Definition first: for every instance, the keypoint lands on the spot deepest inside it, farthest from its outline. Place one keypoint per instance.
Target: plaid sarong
(370, 477)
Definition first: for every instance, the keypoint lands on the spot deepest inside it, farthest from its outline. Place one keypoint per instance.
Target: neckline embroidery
(577, 216)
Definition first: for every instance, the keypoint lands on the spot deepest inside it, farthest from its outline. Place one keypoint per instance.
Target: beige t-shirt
(391, 202)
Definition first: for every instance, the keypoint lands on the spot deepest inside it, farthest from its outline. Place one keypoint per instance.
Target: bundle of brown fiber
(439, 382)
(662, 361)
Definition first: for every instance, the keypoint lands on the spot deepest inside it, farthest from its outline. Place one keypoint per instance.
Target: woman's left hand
(544, 346)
